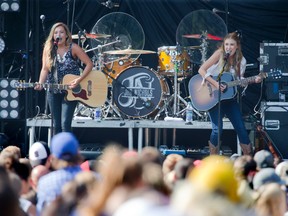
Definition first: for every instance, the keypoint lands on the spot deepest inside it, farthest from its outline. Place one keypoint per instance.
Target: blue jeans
(62, 112)
(231, 109)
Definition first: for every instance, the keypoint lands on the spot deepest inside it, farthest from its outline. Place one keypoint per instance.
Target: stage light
(10, 5)
(9, 99)
(2, 45)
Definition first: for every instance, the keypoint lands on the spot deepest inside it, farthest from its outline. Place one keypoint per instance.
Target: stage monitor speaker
(275, 122)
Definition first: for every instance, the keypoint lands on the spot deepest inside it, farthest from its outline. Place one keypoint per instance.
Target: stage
(137, 133)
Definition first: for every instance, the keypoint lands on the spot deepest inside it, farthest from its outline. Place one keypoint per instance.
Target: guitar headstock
(274, 74)
(21, 85)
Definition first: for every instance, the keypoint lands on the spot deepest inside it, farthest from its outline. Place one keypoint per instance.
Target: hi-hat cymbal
(91, 35)
(129, 52)
(203, 36)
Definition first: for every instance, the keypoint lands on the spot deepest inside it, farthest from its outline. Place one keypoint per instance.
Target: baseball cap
(38, 153)
(215, 174)
(64, 146)
(265, 176)
(264, 159)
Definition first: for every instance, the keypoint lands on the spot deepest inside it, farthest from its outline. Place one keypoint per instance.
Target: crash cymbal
(91, 35)
(203, 36)
(129, 52)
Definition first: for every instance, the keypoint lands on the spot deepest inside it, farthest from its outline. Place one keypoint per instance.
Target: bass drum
(139, 91)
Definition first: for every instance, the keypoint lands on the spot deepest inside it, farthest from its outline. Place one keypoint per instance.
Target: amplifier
(274, 56)
(275, 123)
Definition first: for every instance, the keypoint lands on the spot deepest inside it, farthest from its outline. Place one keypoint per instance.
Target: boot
(213, 149)
(246, 149)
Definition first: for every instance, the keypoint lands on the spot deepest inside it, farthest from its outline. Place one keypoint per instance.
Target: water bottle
(97, 114)
(189, 113)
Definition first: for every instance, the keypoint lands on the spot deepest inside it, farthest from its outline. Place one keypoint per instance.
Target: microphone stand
(219, 102)
(54, 71)
(46, 94)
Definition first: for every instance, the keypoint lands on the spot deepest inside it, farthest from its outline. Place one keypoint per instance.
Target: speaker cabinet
(275, 123)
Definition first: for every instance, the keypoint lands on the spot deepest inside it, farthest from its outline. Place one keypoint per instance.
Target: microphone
(42, 17)
(56, 41)
(109, 4)
(215, 10)
(226, 56)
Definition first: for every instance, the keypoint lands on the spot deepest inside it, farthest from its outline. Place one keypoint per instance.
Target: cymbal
(128, 52)
(201, 36)
(90, 35)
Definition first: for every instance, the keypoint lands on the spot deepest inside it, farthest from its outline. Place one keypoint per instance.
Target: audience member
(39, 154)
(9, 156)
(66, 161)
(9, 202)
(264, 159)
(36, 173)
(245, 169)
(26, 206)
(265, 176)
(168, 168)
(271, 201)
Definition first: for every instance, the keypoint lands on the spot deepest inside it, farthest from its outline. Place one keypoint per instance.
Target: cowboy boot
(246, 149)
(213, 149)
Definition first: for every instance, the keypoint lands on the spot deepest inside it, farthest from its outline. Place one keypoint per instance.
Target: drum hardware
(177, 99)
(116, 83)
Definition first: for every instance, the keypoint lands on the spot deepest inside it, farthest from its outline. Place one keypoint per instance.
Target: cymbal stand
(177, 97)
(109, 108)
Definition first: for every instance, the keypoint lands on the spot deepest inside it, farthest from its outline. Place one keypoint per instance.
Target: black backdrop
(258, 20)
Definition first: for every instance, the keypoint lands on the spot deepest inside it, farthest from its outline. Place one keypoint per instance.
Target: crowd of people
(57, 180)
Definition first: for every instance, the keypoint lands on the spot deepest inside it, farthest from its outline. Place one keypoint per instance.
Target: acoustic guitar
(205, 96)
(91, 91)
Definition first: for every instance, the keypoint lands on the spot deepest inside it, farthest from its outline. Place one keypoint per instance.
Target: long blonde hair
(49, 43)
(238, 54)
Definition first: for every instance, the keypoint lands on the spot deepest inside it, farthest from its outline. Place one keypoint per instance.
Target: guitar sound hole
(77, 89)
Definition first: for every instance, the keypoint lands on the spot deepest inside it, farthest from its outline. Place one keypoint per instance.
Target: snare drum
(113, 69)
(139, 91)
(171, 59)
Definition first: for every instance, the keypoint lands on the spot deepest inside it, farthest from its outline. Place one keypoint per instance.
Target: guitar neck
(55, 86)
(44, 85)
(244, 81)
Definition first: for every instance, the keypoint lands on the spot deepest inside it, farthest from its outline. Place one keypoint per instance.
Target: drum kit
(136, 91)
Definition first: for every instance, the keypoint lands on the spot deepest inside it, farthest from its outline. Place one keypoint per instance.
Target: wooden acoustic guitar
(205, 96)
(91, 91)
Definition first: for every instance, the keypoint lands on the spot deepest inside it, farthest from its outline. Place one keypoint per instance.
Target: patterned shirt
(50, 185)
(65, 65)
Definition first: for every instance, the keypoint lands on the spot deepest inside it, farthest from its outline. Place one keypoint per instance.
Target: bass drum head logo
(137, 91)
